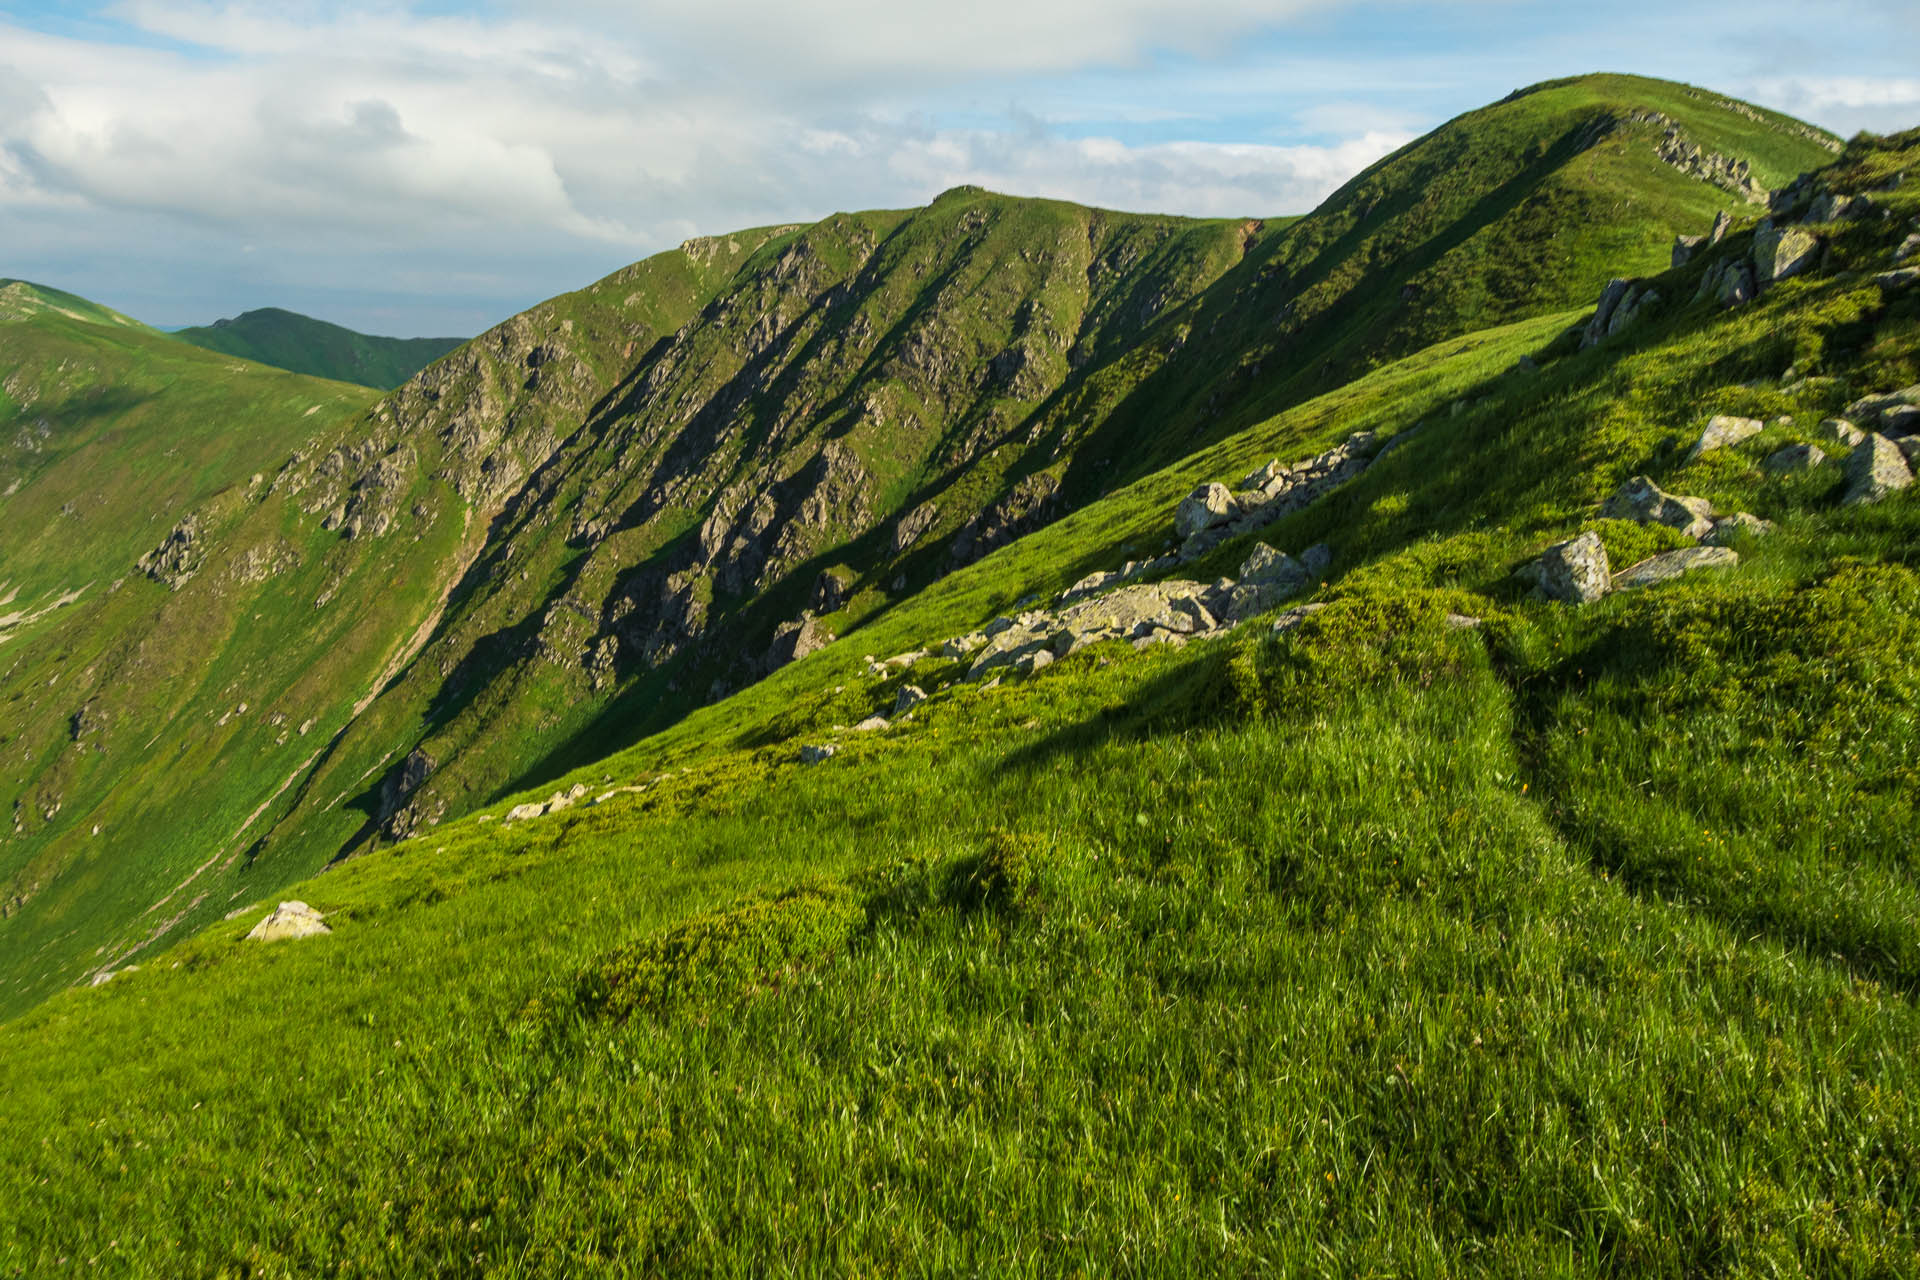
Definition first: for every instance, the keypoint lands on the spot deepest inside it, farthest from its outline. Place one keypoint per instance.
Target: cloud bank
(406, 170)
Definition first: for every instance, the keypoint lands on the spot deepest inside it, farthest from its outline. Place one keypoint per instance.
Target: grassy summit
(288, 340)
(1572, 940)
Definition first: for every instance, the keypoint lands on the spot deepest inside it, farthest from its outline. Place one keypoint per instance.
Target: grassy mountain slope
(240, 673)
(288, 340)
(1579, 942)
(107, 428)
(617, 507)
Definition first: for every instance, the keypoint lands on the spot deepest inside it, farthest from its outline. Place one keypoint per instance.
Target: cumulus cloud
(299, 146)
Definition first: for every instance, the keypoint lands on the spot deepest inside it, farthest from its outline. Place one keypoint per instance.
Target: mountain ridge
(319, 348)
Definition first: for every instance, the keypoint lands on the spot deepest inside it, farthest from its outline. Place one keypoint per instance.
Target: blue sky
(419, 169)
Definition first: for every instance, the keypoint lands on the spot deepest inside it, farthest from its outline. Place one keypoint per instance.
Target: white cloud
(486, 153)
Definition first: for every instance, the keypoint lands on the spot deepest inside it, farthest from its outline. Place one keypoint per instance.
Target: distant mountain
(288, 340)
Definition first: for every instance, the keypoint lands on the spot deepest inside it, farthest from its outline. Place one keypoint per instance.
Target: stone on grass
(872, 723)
(1671, 564)
(1644, 502)
(1875, 469)
(815, 754)
(1739, 524)
(1574, 571)
(1841, 432)
(909, 697)
(1291, 618)
(1722, 430)
(1266, 567)
(1795, 457)
(289, 920)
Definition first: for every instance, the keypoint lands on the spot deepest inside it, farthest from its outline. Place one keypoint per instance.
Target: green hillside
(110, 431)
(1442, 930)
(637, 498)
(288, 340)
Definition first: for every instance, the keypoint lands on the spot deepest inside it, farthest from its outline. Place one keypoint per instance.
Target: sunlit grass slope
(1583, 941)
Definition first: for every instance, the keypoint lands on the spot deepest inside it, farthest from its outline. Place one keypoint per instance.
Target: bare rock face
(1644, 502)
(1842, 432)
(1575, 571)
(1671, 564)
(289, 920)
(1875, 469)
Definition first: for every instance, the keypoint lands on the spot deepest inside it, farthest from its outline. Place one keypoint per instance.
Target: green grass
(288, 340)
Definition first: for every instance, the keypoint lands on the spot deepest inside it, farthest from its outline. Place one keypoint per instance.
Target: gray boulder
(1574, 571)
(909, 697)
(1316, 560)
(872, 724)
(1874, 470)
(1644, 502)
(1671, 564)
(1207, 506)
(1795, 457)
(1782, 252)
(818, 753)
(1898, 279)
(1611, 296)
(289, 920)
(1266, 567)
(1722, 430)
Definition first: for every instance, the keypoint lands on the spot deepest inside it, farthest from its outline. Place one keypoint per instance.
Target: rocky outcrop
(1621, 303)
(1677, 149)
(1031, 503)
(178, 557)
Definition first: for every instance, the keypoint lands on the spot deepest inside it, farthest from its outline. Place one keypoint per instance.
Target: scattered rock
(1723, 430)
(1868, 411)
(289, 920)
(1874, 470)
(909, 697)
(872, 723)
(1291, 618)
(1207, 506)
(1898, 279)
(1671, 564)
(1739, 524)
(1842, 432)
(1575, 571)
(815, 754)
(521, 812)
(1266, 567)
(1795, 457)
(1644, 502)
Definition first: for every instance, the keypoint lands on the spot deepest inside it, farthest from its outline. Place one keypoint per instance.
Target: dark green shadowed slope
(288, 340)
